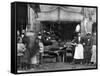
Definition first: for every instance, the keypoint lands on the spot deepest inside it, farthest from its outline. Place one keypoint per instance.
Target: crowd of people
(29, 51)
(82, 50)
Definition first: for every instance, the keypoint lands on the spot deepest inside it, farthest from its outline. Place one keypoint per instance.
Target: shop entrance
(68, 30)
(65, 30)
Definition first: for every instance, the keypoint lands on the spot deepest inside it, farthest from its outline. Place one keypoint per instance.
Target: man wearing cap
(87, 48)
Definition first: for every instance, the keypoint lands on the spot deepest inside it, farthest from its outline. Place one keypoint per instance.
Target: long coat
(31, 45)
(87, 48)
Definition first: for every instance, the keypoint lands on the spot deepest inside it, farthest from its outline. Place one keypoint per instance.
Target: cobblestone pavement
(57, 66)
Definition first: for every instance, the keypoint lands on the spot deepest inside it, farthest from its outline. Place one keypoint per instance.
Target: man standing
(41, 51)
(87, 48)
(79, 56)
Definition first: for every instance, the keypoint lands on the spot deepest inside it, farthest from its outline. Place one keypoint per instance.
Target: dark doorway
(65, 29)
(68, 29)
(21, 16)
(94, 27)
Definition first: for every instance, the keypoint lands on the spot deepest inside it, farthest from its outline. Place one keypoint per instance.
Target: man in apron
(79, 56)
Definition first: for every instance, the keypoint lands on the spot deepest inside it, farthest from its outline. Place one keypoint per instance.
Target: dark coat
(34, 49)
(26, 41)
(87, 48)
(88, 41)
(77, 41)
(31, 45)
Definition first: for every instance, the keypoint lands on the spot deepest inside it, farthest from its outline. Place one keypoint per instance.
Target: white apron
(93, 58)
(79, 52)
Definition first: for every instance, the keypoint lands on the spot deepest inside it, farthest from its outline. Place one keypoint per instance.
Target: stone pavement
(57, 66)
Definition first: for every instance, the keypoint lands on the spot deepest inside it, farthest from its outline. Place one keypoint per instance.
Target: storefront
(64, 19)
(61, 19)
(59, 14)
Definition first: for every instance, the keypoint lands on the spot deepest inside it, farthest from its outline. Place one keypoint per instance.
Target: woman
(93, 58)
(78, 56)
